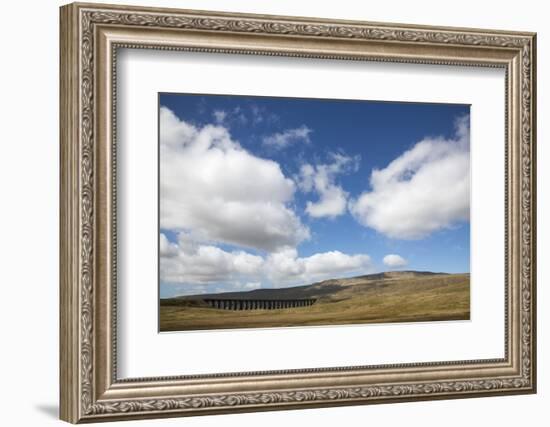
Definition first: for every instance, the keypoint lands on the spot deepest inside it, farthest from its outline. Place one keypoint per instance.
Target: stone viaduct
(245, 304)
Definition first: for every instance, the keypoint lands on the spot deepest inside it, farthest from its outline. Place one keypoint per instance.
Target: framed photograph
(289, 247)
(266, 213)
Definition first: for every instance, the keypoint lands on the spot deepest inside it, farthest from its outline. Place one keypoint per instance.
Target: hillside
(403, 296)
(327, 289)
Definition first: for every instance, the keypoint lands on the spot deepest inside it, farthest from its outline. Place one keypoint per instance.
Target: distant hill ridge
(329, 289)
(398, 274)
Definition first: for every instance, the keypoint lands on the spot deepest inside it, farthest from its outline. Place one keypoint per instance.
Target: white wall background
(29, 170)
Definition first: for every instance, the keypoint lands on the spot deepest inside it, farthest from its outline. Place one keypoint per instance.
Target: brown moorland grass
(395, 298)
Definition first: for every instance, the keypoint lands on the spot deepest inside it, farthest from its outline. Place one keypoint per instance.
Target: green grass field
(396, 297)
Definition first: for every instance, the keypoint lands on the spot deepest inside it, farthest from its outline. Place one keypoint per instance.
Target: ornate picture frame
(90, 388)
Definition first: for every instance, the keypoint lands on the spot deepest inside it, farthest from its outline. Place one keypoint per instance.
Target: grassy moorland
(377, 298)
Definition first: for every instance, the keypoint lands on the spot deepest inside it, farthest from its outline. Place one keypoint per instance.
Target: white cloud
(424, 190)
(219, 116)
(194, 264)
(286, 267)
(321, 179)
(395, 261)
(213, 188)
(259, 114)
(283, 139)
(226, 117)
(239, 116)
(191, 263)
(252, 285)
(166, 248)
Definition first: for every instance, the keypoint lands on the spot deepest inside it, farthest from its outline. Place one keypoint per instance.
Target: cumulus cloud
(394, 261)
(321, 179)
(222, 193)
(424, 190)
(283, 139)
(191, 263)
(285, 266)
(166, 248)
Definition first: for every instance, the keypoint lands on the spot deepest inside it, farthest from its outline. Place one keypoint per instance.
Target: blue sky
(352, 182)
